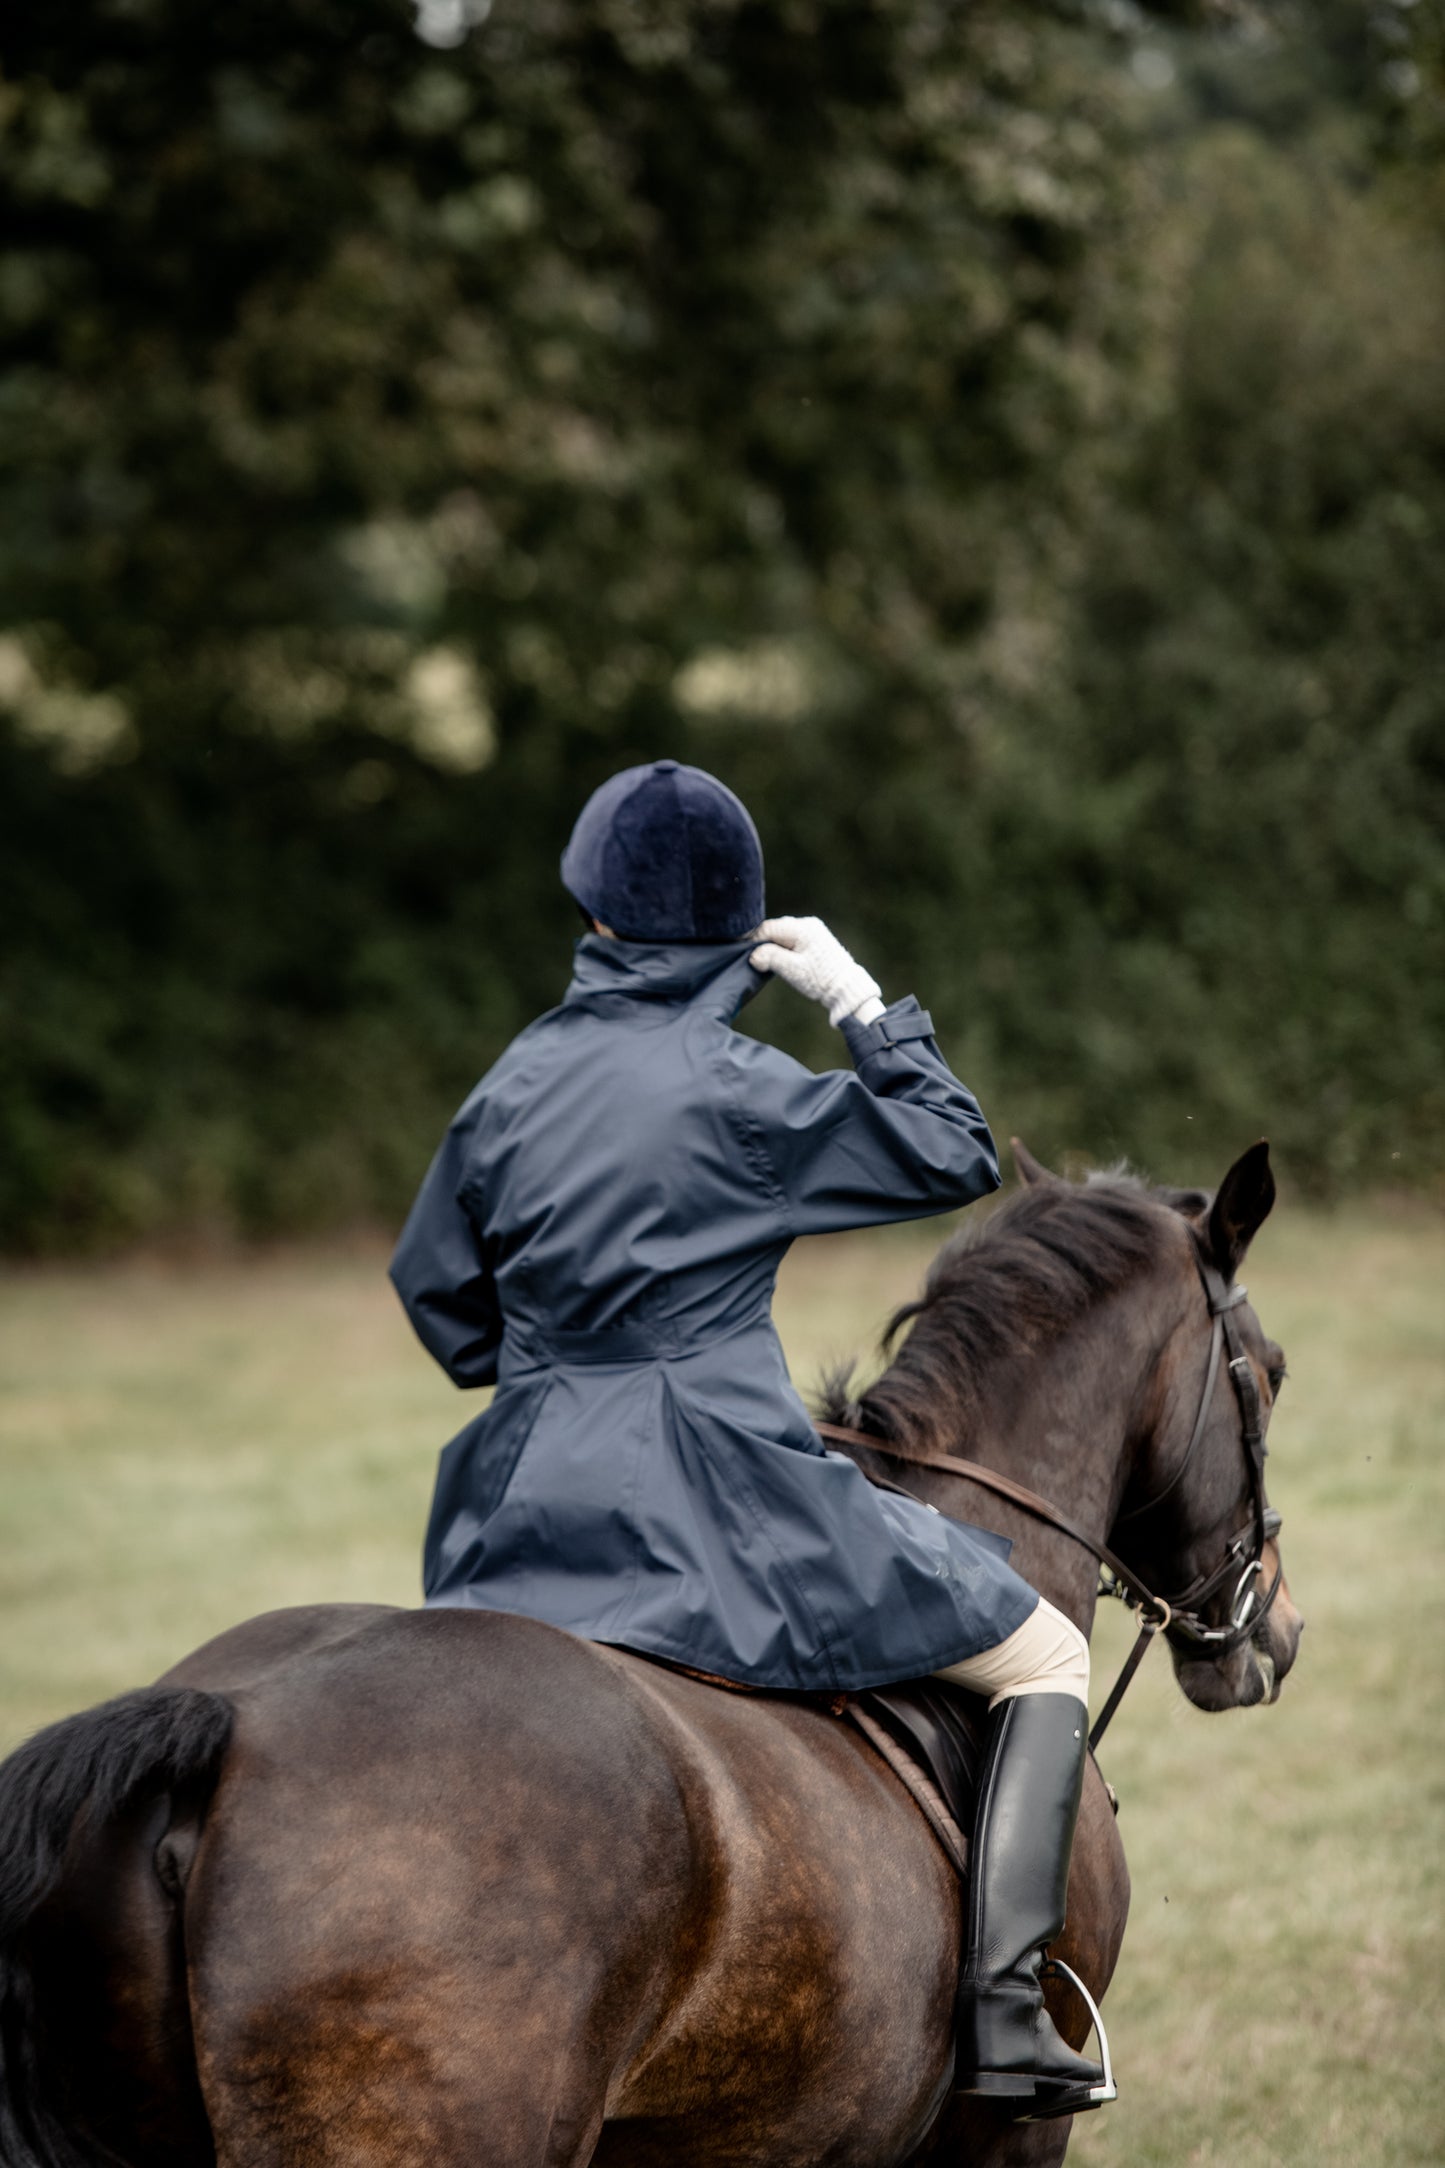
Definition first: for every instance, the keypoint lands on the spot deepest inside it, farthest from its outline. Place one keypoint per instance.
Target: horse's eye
(1276, 1375)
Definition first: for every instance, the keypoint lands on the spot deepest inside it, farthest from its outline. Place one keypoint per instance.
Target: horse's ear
(1241, 1207)
(1030, 1170)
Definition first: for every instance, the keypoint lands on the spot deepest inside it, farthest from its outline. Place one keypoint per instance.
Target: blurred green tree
(1004, 442)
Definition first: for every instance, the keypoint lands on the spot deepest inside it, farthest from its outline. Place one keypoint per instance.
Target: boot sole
(1039, 2099)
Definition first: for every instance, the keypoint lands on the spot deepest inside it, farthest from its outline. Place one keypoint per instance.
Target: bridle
(1244, 1554)
(1179, 1617)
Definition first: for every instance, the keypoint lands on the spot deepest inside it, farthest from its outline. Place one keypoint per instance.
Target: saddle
(926, 1733)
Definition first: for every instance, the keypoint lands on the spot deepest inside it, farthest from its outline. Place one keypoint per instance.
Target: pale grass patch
(182, 1447)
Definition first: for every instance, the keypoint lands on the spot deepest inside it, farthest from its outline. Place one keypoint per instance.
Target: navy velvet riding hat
(667, 853)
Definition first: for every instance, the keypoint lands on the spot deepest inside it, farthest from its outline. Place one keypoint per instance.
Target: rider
(599, 1236)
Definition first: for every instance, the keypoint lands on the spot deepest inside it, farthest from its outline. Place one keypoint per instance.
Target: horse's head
(1090, 1339)
(1192, 1519)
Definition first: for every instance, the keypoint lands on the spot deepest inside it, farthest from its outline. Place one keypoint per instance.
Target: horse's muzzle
(1251, 1674)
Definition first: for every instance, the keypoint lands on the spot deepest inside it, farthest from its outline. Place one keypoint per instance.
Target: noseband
(1180, 1617)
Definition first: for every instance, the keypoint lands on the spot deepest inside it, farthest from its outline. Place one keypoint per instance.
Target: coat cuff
(901, 1021)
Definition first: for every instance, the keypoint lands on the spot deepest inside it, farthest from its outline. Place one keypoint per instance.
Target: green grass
(180, 1446)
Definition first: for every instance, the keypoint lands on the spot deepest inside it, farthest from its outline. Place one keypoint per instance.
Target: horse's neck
(1067, 1420)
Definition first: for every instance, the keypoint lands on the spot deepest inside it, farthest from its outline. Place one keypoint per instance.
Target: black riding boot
(1028, 1801)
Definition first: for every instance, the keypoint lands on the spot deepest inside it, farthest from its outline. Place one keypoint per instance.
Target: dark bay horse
(363, 1888)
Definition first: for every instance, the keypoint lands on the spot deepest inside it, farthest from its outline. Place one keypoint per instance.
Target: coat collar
(673, 972)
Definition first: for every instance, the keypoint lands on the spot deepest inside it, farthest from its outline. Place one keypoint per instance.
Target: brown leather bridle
(1179, 1617)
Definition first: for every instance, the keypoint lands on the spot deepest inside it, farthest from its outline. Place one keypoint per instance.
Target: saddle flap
(935, 1752)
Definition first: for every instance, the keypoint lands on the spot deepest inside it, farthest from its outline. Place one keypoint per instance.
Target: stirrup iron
(1097, 2096)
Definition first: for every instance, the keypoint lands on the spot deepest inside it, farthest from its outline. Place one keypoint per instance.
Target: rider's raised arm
(898, 1139)
(441, 1275)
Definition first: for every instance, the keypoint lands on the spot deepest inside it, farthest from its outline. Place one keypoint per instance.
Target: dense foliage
(1007, 443)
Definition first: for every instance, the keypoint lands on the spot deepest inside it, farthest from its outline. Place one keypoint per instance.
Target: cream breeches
(1046, 1655)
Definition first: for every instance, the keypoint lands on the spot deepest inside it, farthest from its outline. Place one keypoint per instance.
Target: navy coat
(599, 1236)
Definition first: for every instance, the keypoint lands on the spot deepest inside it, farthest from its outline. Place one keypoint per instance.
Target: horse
(357, 1887)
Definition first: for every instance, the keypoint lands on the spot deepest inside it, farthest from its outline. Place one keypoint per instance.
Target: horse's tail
(97, 1791)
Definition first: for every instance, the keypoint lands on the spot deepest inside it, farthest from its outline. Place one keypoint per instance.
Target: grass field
(182, 1446)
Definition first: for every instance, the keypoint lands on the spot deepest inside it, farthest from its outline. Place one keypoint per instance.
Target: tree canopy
(1006, 443)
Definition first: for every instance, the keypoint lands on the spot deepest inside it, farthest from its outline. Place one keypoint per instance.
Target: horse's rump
(465, 1868)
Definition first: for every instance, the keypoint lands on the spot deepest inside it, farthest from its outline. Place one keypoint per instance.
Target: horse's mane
(1001, 1288)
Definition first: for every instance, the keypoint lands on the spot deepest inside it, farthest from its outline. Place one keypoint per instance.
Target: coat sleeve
(897, 1140)
(442, 1275)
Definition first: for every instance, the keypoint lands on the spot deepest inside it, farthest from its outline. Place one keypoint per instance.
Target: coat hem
(693, 1658)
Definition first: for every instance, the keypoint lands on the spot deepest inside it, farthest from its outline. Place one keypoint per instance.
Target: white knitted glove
(802, 951)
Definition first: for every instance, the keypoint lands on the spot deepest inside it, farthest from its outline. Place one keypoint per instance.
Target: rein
(1180, 1616)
